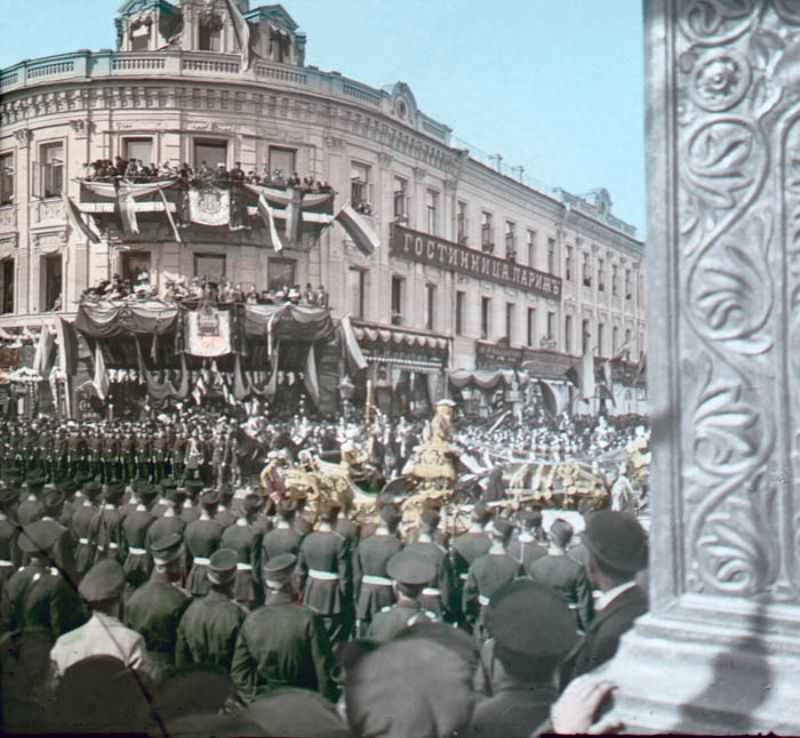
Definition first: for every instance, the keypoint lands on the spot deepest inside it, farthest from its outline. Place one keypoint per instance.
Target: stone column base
(690, 677)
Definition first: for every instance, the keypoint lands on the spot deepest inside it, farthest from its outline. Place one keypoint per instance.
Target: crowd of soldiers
(144, 544)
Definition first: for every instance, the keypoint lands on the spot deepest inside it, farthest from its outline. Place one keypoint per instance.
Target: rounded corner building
(448, 268)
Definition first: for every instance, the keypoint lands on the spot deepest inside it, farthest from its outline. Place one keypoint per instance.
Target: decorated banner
(210, 206)
(208, 332)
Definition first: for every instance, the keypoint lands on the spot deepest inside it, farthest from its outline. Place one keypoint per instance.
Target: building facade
(475, 270)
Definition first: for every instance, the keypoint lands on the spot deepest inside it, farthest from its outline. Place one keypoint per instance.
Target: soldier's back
(280, 541)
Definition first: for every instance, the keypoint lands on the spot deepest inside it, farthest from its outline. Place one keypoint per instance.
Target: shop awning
(484, 379)
(399, 338)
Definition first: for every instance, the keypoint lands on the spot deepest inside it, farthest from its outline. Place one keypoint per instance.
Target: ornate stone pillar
(720, 650)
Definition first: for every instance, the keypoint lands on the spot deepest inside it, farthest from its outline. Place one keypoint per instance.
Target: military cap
(52, 497)
(616, 540)
(520, 612)
(390, 515)
(92, 489)
(501, 527)
(168, 483)
(430, 517)
(137, 485)
(222, 566)
(175, 494)
(226, 491)
(8, 495)
(167, 548)
(530, 518)
(329, 508)
(33, 483)
(104, 581)
(209, 498)
(407, 568)
(147, 491)
(113, 492)
(37, 537)
(287, 507)
(252, 503)
(193, 486)
(68, 487)
(280, 568)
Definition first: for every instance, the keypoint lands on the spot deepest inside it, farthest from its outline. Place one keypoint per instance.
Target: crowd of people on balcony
(135, 170)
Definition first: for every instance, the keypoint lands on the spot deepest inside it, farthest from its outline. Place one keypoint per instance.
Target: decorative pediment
(402, 103)
(275, 14)
(135, 7)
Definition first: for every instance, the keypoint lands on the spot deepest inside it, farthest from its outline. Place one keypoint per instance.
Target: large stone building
(474, 270)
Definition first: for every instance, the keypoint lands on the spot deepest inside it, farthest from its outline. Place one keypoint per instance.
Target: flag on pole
(588, 385)
(43, 358)
(75, 217)
(549, 400)
(311, 380)
(175, 231)
(266, 213)
(242, 30)
(351, 344)
(358, 230)
(571, 375)
(100, 381)
(240, 388)
(272, 385)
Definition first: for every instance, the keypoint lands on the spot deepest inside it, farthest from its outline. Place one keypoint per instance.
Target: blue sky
(557, 87)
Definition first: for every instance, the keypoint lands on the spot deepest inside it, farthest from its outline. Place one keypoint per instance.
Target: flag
(571, 375)
(67, 347)
(272, 385)
(125, 194)
(183, 391)
(549, 401)
(75, 217)
(351, 344)
(242, 30)
(43, 358)
(100, 381)
(240, 388)
(587, 376)
(311, 380)
(175, 231)
(266, 213)
(641, 369)
(199, 391)
(358, 230)
(622, 350)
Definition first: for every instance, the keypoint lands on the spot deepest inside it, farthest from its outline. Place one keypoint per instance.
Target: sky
(556, 87)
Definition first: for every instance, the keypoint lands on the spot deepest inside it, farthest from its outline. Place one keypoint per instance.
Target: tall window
(587, 270)
(551, 256)
(432, 210)
(6, 179)
(209, 36)
(398, 290)
(640, 289)
(140, 149)
(486, 305)
(510, 310)
(614, 275)
(487, 232)
(586, 334)
(642, 347)
(430, 306)
(7, 286)
(360, 186)
(511, 240)
(614, 340)
(601, 275)
(52, 169)
(628, 293)
(140, 35)
(627, 343)
(211, 266)
(530, 337)
(568, 334)
(51, 271)
(356, 287)
(281, 273)
(461, 222)
(568, 263)
(210, 152)
(601, 339)
(461, 299)
(532, 249)
(400, 199)
(551, 326)
(134, 263)
(282, 160)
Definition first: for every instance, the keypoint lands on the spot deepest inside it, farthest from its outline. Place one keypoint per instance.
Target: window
(140, 35)
(281, 273)
(568, 264)
(134, 263)
(640, 290)
(52, 169)
(360, 194)
(487, 232)
(587, 270)
(641, 343)
(398, 290)
(532, 249)
(601, 275)
(628, 293)
(601, 335)
(283, 161)
(614, 275)
(551, 256)
(210, 265)
(614, 340)
(209, 32)
(510, 309)
(531, 333)
(140, 149)
(551, 326)
(461, 222)
(52, 282)
(210, 153)
(486, 304)
(356, 288)
(432, 210)
(7, 286)
(6, 179)
(430, 306)
(511, 241)
(400, 199)
(568, 334)
(461, 298)
(586, 334)
(627, 343)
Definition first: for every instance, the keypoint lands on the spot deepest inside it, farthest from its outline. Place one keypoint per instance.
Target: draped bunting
(300, 323)
(482, 379)
(106, 320)
(124, 194)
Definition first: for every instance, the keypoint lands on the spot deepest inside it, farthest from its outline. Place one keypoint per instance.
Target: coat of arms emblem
(209, 206)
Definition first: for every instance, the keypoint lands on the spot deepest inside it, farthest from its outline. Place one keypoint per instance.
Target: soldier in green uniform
(283, 538)
(76, 449)
(169, 522)
(210, 626)
(525, 548)
(282, 644)
(191, 507)
(62, 551)
(155, 609)
(202, 538)
(9, 552)
(488, 574)
(159, 455)
(138, 563)
(469, 546)
(373, 586)
(325, 567)
(411, 574)
(245, 538)
(225, 515)
(31, 509)
(106, 529)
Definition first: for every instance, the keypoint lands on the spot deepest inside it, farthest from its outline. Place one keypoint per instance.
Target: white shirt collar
(605, 599)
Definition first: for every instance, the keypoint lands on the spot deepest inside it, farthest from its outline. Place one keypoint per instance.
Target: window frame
(430, 306)
(361, 306)
(46, 177)
(281, 262)
(209, 255)
(211, 142)
(462, 221)
(511, 309)
(357, 185)
(486, 317)
(432, 211)
(283, 150)
(397, 299)
(567, 334)
(6, 296)
(530, 334)
(7, 191)
(531, 248)
(461, 301)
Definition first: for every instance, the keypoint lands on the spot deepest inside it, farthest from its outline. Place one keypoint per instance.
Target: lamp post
(346, 391)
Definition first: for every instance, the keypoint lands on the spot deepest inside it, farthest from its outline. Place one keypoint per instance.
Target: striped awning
(399, 338)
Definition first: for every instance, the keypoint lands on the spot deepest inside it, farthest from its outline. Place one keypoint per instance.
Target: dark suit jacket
(600, 642)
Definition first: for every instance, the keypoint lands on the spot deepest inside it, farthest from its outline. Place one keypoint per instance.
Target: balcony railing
(106, 64)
